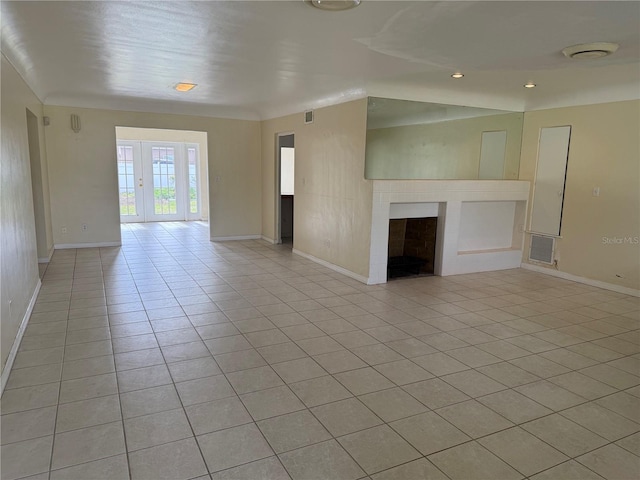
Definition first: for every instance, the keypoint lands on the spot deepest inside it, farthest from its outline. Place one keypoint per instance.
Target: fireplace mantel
(480, 222)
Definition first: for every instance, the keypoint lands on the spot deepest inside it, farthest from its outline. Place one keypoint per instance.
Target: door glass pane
(193, 180)
(164, 180)
(126, 180)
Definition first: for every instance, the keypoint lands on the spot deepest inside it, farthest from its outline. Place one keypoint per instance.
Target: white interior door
(164, 180)
(130, 182)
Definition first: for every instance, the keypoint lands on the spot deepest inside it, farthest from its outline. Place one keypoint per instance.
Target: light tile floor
(177, 358)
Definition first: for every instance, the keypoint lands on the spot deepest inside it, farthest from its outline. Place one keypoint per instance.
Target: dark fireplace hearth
(412, 247)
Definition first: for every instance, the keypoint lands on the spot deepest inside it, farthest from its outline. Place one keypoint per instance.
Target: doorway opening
(162, 175)
(285, 179)
(37, 189)
(412, 247)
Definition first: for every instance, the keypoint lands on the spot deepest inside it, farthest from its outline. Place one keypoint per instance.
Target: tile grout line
(183, 408)
(64, 352)
(115, 372)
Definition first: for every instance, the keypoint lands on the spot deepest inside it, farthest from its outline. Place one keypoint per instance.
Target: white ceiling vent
(590, 51)
(334, 5)
(308, 116)
(541, 249)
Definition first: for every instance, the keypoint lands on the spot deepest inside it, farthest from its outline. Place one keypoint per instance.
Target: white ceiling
(262, 59)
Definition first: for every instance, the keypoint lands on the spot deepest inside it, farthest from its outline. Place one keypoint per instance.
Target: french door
(158, 181)
(130, 182)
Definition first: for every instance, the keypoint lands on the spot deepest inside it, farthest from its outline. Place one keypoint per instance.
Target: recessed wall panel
(548, 194)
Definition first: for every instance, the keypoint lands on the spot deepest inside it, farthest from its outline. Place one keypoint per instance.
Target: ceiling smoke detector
(590, 51)
(334, 5)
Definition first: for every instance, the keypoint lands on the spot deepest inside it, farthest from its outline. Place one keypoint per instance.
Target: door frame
(143, 176)
(40, 210)
(278, 179)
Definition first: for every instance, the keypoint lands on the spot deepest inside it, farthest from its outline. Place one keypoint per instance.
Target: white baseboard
(238, 237)
(269, 240)
(333, 267)
(587, 281)
(16, 342)
(47, 259)
(63, 246)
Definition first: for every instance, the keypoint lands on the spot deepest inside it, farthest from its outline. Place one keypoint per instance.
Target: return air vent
(541, 249)
(308, 116)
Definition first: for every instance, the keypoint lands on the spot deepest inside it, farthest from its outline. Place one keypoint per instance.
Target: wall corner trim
(47, 259)
(269, 240)
(587, 281)
(16, 342)
(331, 266)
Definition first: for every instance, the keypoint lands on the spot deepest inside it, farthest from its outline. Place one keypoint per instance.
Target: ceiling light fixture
(529, 85)
(334, 5)
(457, 75)
(590, 51)
(185, 87)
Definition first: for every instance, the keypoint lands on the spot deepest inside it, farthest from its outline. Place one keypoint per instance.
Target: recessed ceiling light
(457, 75)
(590, 51)
(334, 5)
(529, 85)
(185, 87)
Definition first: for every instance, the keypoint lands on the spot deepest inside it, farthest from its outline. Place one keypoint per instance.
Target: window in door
(163, 162)
(127, 180)
(130, 182)
(192, 164)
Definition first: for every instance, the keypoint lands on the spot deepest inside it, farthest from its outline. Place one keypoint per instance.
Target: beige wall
(604, 152)
(178, 136)
(19, 263)
(444, 150)
(332, 210)
(83, 174)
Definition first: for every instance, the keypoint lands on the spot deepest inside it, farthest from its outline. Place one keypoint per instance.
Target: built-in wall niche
(412, 246)
(490, 226)
(409, 140)
(551, 171)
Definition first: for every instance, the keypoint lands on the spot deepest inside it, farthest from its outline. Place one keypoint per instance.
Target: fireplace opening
(412, 247)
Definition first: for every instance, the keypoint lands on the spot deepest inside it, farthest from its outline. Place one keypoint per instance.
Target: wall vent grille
(308, 116)
(541, 249)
